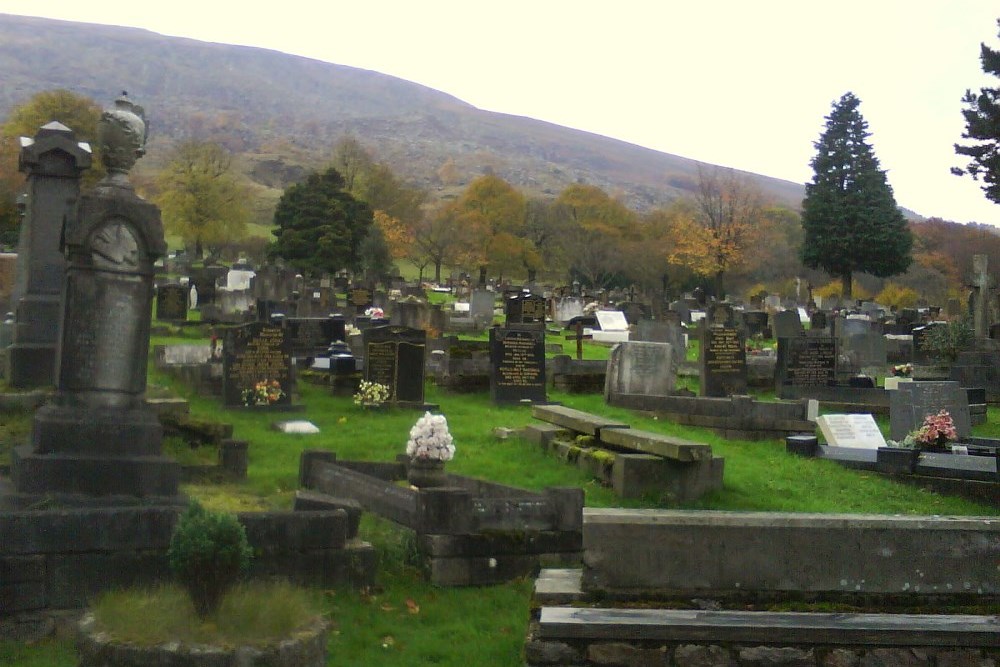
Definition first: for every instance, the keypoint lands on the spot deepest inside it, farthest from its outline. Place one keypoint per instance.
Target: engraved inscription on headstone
(642, 368)
(806, 361)
(856, 431)
(517, 365)
(394, 356)
(723, 362)
(361, 299)
(525, 309)
(256, 366)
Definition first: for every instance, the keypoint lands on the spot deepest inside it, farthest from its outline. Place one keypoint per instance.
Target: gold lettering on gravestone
(811, 363)
(173, 303)
(724, 353)
(262, 359)
(533, 309)
(381, 363)
(519, 365)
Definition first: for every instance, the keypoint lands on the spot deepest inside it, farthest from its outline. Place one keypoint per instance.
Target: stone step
(575, 420)
(558, 586)
(657, 443)
(784, 628)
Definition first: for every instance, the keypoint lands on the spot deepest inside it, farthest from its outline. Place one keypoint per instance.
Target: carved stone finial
(121, 134)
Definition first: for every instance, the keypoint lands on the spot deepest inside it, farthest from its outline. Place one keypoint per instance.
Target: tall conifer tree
(849, 214)
(982, 124)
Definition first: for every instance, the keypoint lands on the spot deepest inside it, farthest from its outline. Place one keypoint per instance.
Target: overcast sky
(730, 82)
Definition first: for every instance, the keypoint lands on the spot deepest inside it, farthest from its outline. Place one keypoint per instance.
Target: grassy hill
(284, 113)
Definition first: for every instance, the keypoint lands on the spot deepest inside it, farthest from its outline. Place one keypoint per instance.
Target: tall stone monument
(53, 162)
(97, 436)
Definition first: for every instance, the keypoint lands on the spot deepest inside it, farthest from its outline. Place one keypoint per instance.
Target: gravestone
(787, 324)
(53, 162)
(723, 362)
(912, 401)
(204, 282)
(721, 315)
(172, 302)
(411, 312)
(394, 356)
(521, 308)
(682, 309)
(642, 368)
(517, 364)
(361, 299)
(97, 436)
(865, 350)
(921, 355)
(755, 322)
(566, 308)
(854, 431)
(613, 327)
(256, 366)
(819, 321)
(481, 305)
(309, 336)
(656, 331)
(978, 369)
(806, 362)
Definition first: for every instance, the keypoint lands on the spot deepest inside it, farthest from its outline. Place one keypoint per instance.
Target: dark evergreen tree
(320, 226)
(849, 214)
(982, 124)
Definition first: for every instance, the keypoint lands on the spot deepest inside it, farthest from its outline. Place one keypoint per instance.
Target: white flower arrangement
(430, 439)
(371, 393)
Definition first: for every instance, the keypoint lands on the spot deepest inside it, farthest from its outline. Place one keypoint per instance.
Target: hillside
(288, 111)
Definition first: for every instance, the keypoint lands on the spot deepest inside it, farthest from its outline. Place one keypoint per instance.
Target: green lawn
(403, 620)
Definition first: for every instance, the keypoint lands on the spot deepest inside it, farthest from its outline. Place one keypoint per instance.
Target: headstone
(171, 302)
(655, 331)
(394, 356)
(912, 401)
(256, 366)
(755, 322)
(517, 364)
(97, 436)
(613, 327)
(806, 361)
(239, 277)
(54, 163)
(787, 324)
(819, 321)
(412, 312)
(524, 308)
(682, 308)
(481, 305)
(854, 431)
(723, 362)
(361, 298)
(865, 350)
(640, 368)
(921, 355)
(566, 308)
(309, 336)
(722, 315)
(978, 369)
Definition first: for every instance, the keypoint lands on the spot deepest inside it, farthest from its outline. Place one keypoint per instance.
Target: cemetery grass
(402, 620)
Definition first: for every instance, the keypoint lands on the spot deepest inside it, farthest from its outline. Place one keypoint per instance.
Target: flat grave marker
(854, 431)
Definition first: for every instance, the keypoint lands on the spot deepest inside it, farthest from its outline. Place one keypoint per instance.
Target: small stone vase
(426, 473)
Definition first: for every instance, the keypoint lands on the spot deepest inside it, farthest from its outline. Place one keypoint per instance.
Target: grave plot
(471, 532)
(634, 463)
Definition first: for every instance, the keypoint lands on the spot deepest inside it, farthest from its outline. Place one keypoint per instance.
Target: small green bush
(944, 342)
(208, 554)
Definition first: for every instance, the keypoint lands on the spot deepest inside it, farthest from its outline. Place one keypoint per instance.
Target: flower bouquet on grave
(902, 370)
(935, 434)
(375, 313)
(265, 392)
(429, 447)
(371, 394)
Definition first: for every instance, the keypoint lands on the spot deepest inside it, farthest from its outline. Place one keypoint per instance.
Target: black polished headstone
(723, 362)
(521, 308)
(254, 354)
(517, 364)
(394, 356)
(806, 361)
(309, 336)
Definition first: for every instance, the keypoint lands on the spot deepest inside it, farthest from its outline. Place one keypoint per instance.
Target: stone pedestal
(97, 437)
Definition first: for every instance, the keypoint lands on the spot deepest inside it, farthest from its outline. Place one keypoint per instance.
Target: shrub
(945, 341)
(208, 554)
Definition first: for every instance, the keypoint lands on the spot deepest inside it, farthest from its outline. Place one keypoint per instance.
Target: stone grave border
(736, 417)
(472, 532)
(58, 559)
(631, 604)
(632, 462)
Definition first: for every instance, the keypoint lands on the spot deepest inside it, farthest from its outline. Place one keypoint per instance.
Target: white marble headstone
(856, 431)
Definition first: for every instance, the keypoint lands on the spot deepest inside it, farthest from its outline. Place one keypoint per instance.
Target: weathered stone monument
(97, 436)
(53, 162)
